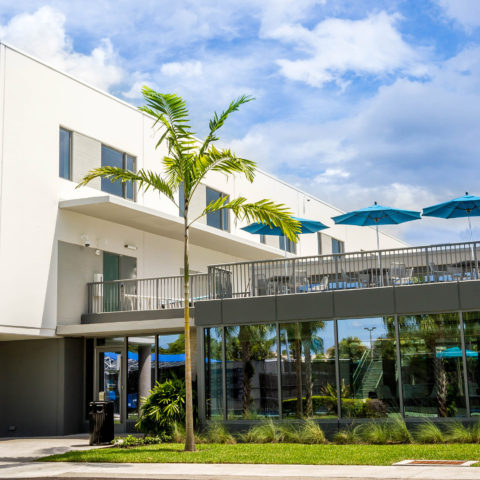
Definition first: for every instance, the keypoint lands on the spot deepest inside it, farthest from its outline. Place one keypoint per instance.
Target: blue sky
(355, 101)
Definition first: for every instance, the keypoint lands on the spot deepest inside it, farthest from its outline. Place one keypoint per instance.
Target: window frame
(285, 243)
(341, 245)
(70, 151)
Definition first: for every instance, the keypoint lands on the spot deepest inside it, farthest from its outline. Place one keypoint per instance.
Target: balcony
(364, 269)
(144, 294)
(357, 270)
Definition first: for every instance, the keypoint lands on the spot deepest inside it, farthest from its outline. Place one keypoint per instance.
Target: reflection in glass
(432, 369)
(472, 344)
(251, 368)
(140, 372)
(308, 369)
(109, 380)
(112, 158)
(368, 377)
(171, 356)
(213, 373)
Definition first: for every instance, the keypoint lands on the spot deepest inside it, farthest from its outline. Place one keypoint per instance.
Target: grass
(278, 453)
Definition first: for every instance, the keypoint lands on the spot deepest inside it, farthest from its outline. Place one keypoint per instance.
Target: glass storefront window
(171, 356)
(213, 373)
(472, 344)
(367, 362)
(308, 369)
(432, 368)
(140, 372)
(251, 370)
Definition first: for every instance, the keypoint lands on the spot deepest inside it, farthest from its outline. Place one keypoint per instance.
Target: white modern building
(62, 342)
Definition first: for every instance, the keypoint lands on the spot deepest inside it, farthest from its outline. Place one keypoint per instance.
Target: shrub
(178, 434)
(164, 406)
(390, 432)
(459, 433)
(218, 433)
(375, 408)
(428, 432)
(131, 441)
(266, 432)
(346, 436)
(311, 433)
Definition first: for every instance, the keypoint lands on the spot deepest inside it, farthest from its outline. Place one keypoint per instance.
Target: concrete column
(144, 371)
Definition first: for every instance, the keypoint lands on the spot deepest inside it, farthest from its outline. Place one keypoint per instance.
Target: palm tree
(187, 163)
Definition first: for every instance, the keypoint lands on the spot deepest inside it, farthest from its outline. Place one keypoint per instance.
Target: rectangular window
(368, 367)
(114, 158)
(251, 371)
(432, 367)
(472, 341)
(319, 243)
(338, 246)
(263, 239)
(65, 164)
(214, 407)
(307, 357)
(217, 219)
(286, 244)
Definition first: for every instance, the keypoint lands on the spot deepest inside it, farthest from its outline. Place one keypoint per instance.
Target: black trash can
(101, 422)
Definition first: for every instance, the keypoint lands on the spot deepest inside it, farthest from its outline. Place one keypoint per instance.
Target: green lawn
(275, 453)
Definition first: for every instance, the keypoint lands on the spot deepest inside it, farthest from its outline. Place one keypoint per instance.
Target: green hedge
(351, 407)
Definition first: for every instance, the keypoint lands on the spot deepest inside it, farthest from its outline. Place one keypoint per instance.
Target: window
(286, 244)
(114, 158)
(472, 342)
(263, 239)
(217, 219)
(65, 163)
(319, 242)
(338, 246)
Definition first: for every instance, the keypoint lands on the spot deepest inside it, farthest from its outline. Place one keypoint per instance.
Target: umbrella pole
(380, 272)
(470, 228)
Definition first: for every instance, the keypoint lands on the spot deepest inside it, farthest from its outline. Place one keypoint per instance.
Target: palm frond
(219, 120)
(170, 110)
(224, 161)
(145, 179)
(263, 211)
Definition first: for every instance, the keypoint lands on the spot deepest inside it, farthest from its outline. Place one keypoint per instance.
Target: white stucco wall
(36, 101)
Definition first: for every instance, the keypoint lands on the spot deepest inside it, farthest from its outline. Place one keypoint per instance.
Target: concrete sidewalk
(16, 456)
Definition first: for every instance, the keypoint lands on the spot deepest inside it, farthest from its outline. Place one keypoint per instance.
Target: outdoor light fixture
(130, 247)
(85, 240)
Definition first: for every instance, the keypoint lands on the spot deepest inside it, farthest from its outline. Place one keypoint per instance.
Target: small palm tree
(187, 163)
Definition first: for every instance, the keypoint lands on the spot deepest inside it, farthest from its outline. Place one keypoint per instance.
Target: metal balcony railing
(364, 269)
(144, 294)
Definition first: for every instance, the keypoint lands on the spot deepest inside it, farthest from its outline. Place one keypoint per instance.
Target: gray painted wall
(42, 387)
(402, 300)
(76, 266)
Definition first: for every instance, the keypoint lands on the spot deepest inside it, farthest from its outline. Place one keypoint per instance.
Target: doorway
(109, 370)
(117, 267)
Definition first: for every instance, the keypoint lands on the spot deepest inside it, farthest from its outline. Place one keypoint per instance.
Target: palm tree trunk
(189, 433)
(246, 377)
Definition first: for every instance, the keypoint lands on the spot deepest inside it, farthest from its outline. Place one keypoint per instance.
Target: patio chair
(451, 273)
(437, 274)
(399, 274)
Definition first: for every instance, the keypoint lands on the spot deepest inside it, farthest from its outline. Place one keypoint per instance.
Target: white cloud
(42, 34)
(182, 69)
(466, 12)
(336, 46)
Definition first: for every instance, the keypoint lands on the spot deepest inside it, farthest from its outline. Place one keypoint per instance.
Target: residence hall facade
(90, 288)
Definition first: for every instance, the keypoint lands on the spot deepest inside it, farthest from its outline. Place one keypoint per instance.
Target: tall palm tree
(187, 163)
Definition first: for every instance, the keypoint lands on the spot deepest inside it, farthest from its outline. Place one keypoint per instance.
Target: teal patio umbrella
(306, 226)
(465, 206)
(456, 352)
(376, 215)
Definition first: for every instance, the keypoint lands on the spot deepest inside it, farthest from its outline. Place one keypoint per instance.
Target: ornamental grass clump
(428, 432)
(266, 432)
(346, 436)
(459, 433)
(311, 433)
(217, 433)
(390, 432)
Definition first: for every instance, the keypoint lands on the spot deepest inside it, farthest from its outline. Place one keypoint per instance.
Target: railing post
(294, 274)
(253, 280)
(475, 260)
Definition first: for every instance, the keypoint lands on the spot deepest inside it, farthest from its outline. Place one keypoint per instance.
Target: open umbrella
(466, 206)
(376, 215)
(306, 226)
